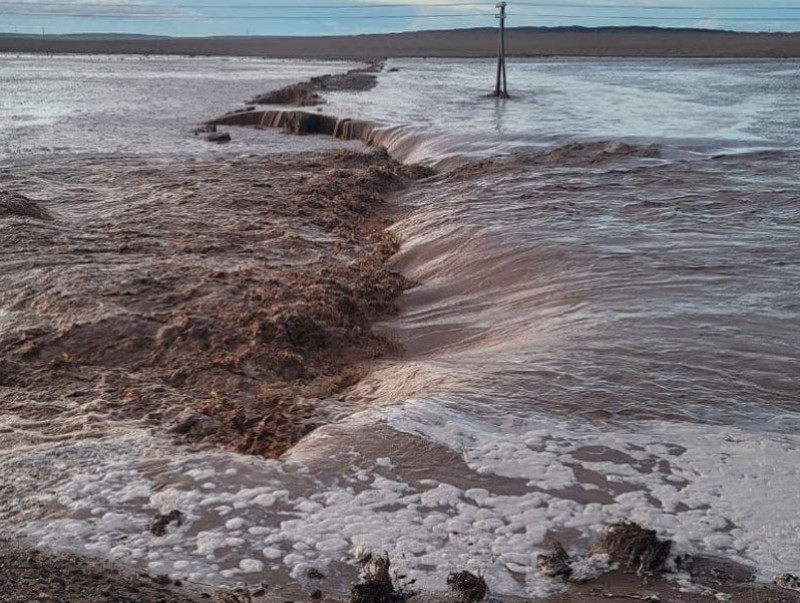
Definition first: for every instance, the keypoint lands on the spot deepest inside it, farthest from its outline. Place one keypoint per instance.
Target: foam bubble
(251, 566)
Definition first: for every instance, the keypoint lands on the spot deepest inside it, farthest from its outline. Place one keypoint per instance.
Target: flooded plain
(603, 324)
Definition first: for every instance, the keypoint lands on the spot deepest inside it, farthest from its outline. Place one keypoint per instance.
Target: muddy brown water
(242, 290)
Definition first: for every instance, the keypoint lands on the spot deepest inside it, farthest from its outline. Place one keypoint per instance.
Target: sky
(330, 17)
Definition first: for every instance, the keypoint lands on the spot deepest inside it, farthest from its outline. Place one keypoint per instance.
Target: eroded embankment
(220, 299)
(301, 123)
(307, 93)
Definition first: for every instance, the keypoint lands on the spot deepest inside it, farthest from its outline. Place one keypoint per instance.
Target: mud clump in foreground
(468, 587)
(29, 575)
(162, 521)
(218, 300)
(377, 584)
(14, 204)
(636, 548)
(555, 564)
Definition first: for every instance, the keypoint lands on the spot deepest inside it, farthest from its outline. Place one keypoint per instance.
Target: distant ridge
(634, 41)
(85, 36)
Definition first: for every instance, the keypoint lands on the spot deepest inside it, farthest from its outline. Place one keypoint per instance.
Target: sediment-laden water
(605, 325)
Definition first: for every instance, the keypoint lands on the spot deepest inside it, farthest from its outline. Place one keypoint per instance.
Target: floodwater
(72, 105)
(607, 326)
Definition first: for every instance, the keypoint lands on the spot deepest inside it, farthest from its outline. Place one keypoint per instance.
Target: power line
(172, 17)
(252, 6)
(229, 17)
(524, 3)
(662, 18)
(358, 5)
(650, 6)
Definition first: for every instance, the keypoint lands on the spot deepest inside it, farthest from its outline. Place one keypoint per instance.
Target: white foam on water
(711, 489)
(725, 490)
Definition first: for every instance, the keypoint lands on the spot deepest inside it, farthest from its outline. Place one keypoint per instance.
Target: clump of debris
(556, 563)
(788, 581)
(468, 587)
(16, 205)
(239, 594)
(161, 522)
(634, 547)
(378, 586)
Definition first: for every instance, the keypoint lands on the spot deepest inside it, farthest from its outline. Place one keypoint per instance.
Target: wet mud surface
(31, 575)
(219, 300)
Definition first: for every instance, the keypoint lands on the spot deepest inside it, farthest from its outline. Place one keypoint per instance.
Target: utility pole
(501, 91)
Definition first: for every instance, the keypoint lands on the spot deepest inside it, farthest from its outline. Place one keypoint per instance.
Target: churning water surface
(606, 326)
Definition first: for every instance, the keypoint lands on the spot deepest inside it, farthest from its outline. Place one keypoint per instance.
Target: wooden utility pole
(501, 89)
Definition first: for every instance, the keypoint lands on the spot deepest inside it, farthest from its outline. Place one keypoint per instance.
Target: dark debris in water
(377, 584)
(235, 595)
(634, 547)
(161, 522)
(788, 581)
(555, 564)
(217, 137)
(28, 575)
(16, 205)
(469, 587)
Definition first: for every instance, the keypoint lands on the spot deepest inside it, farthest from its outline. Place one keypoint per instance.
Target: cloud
(215, 17)
(708, 24)
(92, 8)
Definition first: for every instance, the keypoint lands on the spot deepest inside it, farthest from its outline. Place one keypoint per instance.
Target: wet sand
(479, 42)
(31, 575)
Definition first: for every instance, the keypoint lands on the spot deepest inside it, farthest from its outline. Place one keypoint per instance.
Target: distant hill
(84, 36)
(477, 42)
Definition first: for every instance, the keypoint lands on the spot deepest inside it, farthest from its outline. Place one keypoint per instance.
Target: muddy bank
(220, 300)
(308, 93)
(30, 575)
(300, 123)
